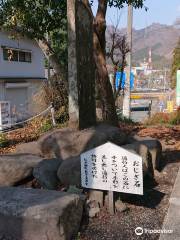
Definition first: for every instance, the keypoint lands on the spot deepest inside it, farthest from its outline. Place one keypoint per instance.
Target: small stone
(120, 206)
(97, 196)
(92, 208)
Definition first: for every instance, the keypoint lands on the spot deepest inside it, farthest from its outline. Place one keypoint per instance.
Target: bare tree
(117, 53)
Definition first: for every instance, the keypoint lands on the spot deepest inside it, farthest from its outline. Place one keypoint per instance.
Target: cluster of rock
(53, 160)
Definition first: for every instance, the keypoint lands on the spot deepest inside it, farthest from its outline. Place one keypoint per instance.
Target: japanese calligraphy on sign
(113, 168)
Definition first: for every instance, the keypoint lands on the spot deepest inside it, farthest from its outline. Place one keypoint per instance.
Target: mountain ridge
(161, 38)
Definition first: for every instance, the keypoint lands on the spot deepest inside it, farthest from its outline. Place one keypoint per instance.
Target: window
(27, 57)
(10, 55)
(14, 55)
(5, 54)
(22, 56)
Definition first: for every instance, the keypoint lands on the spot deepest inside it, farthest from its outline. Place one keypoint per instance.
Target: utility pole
(127, 90)
(165, 76)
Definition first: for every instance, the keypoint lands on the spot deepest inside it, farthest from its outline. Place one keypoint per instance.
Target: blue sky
(159, 11)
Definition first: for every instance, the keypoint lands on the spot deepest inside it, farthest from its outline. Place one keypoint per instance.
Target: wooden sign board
(112, 168)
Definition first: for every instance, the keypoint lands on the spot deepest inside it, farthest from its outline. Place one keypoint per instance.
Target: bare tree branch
(117, 53)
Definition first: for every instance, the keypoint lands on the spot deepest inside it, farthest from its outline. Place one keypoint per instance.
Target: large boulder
(16, 167)
(154, 146)
(143, 151)
(66, 143)
(30, 147)
(39, 214)
(46, 173)
(69, 172)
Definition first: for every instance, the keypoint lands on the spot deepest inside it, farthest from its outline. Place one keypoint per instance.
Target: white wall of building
(9, 69)
(21, 82)
(26, 98)
(2, 89)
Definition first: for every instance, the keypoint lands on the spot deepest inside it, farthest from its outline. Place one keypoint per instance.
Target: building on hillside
(145, 67)
(21, 75)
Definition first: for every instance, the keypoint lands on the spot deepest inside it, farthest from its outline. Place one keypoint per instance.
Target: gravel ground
(147, 211)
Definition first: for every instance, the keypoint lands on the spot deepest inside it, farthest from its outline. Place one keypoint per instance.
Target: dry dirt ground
(147, 211)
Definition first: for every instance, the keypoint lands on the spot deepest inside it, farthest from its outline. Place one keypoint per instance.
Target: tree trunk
(59, 70)
(81, 67)
(114, 79)
(107, 98)
(106, 92)
(99, 43)
(54, 62)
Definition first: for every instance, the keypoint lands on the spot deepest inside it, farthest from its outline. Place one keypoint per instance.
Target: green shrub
(158, 118)
(4, 142)
(46, 126)
(165, 118)
(123, 119)
(175, 118)
(61, 115)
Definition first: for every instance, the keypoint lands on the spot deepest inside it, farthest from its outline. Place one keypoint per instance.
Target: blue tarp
(118, 76)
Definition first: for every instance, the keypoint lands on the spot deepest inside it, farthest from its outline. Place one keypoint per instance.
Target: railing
(6, 122)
